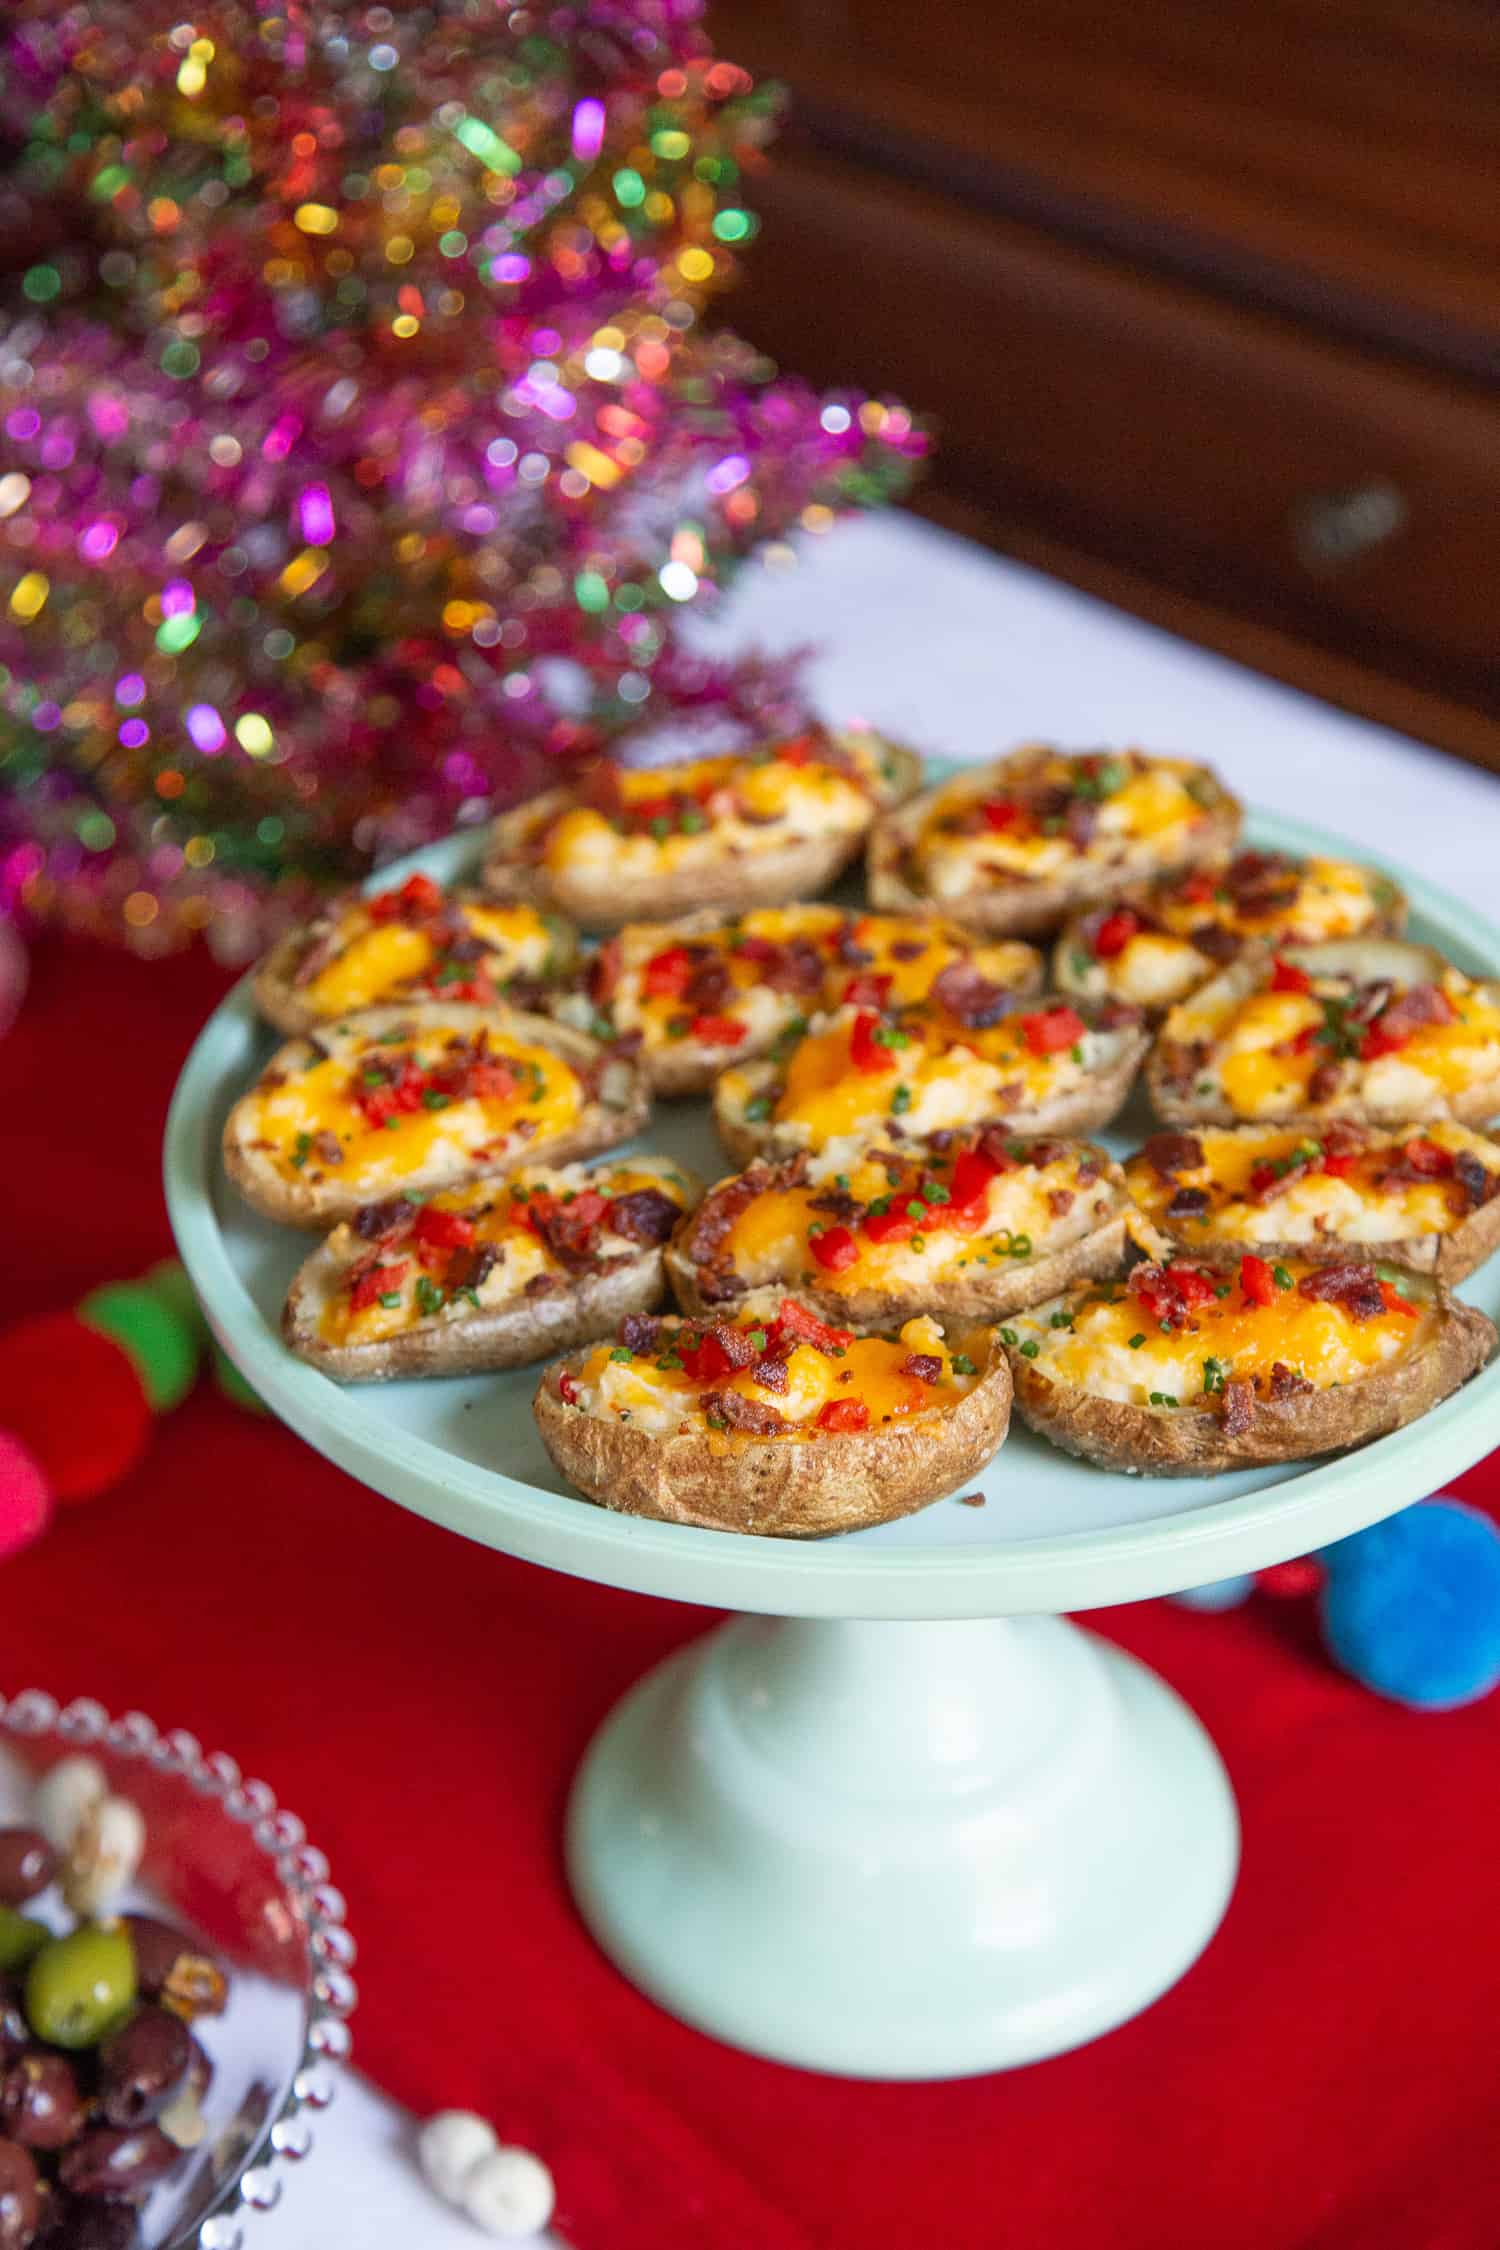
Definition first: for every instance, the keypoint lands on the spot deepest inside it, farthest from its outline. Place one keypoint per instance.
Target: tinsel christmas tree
(364, 444)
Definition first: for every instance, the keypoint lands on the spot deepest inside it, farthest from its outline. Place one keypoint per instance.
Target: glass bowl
(222, 1859)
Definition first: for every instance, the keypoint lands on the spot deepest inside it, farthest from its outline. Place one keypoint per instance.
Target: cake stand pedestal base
(902, 1850)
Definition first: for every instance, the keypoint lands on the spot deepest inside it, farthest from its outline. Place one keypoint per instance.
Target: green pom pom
(232, 1383)
(162, 1347)
(168, 1281)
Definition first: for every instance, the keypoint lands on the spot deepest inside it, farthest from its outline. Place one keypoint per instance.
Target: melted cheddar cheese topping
(1275, 1186)
(933, 1076)
(372, 1112)
(419, 1269)
(1267, 1047)
(1025, 1211)
(1107, 1341)
(376, 961)
(1000, 825)
(841, 1384)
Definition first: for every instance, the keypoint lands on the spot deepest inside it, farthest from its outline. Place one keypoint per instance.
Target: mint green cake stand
(898, 1820)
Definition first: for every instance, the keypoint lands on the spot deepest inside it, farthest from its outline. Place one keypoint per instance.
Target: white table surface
(964, 654)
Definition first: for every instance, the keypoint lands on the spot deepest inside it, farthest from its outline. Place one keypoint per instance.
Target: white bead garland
(506, 2191)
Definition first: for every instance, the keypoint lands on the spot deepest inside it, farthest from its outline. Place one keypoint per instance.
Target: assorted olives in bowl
(102, 2072)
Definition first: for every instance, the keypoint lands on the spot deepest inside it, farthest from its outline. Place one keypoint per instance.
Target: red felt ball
(1289, 1581)
(73, 1398)
(25, 1497)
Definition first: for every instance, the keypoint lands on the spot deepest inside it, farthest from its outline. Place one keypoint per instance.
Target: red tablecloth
(1327, 2077)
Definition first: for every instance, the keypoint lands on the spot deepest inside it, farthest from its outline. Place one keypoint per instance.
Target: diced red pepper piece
(717, 1031)
(1053, 1029)
(795, 1320)
(865, 1051)
(1426, 1157)
(894, 1225)
(1263, 1178)
(654, 808)
(604, 971)
(490, 1081)
(756, 948)
(376, 1283)
(1197, 890)
(667, 974)
(567, 1388)
(1115, 933)
(1000, 812)
(1170, 1293)
(1377, 1042)
(868, 990)
(418, 895)
(835, 1249)
(1339, 1164)
(399, 1097)
(443, 1230)
(1257, 1281)
(799, 751)
(704, 1361)
(972, 1174)
(1396, 1303)
(846, 1416)
(1306, 1039)
(1287, 977)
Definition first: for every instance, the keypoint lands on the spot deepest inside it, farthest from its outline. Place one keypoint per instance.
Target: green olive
(20, 1939)
(78, 1988)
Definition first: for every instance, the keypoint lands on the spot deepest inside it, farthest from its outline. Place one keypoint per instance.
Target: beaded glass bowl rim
(1314, 1503)
(302, 1872)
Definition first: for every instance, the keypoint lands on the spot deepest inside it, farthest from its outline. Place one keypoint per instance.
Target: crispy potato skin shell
(985, 1296)
(307, 1203)
(1084, 1109)
(1189, 1441)
(1448, 1258)
(732, 884)
(777, 1487)
(281, 1004)
(1372, 957)
(1021, 908)
(507, 1335)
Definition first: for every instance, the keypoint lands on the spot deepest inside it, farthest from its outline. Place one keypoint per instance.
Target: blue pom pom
(1411, 1607)
(1218, 1594)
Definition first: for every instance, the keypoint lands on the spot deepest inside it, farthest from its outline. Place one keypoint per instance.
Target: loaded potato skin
(420, 1098)
(1015, 847)
(493, 1274)
(694, 995)
(784, 1426)
(1153, 947)
(755, 828)
(1185, 1368)
(415, 941)
(1423, 1197)
(966, 1226)
(1374, 1030)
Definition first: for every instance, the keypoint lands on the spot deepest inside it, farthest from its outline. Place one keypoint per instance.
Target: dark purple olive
(171, 1969)
(15, 2031)
(20, 2198)
(40, 2105)
(119, 2165)
(27, 1865)
(142, 2065)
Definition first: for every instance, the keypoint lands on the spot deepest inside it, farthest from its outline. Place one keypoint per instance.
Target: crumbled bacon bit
(743, 1413)
(925, 1366)
(1215, 943)
(1171, 1153)
(1188, 1203)
(1477, 1184)
(640, 1332)
(1355, 1288)
(328, 1149)
(1239, 1406)
(970, 997)
(971, 1499)
(373, 1220)
(1060, 1201)
(1324, 1082)
(646, 1215)
(771, 1374)
(1419, 1004)
(1284, 1384)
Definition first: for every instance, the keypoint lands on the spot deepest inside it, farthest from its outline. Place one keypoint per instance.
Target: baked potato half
(1015, 847)
(1153, 947)
(1423, 1197)
(643, 843)
(1371, 1029)
(410, 1100)
(967, 1227)
(789, 1428)
(413, 942)
(493, 1274)
(1032, 1066)
(1185, 1369)
(695, 994)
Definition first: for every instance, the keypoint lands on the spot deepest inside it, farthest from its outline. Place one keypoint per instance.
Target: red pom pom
(75, 1401)
(25, 1501)
(1289, 1581)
